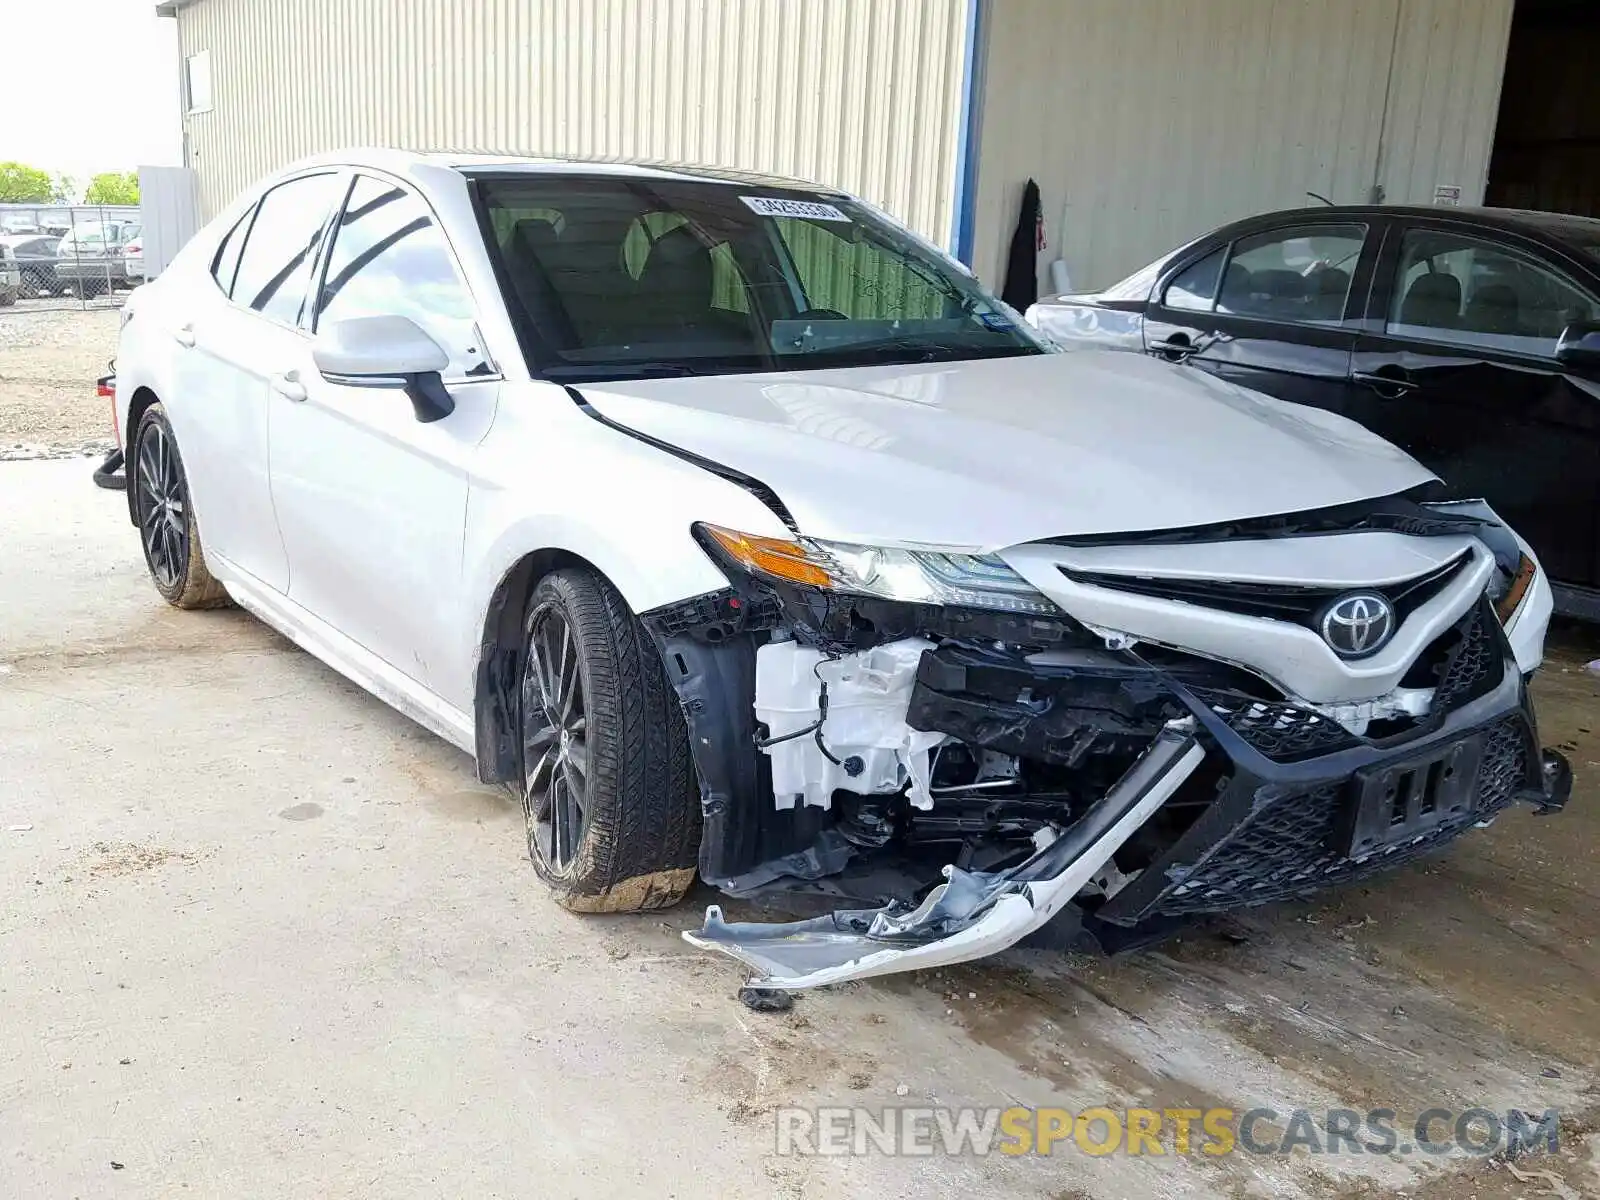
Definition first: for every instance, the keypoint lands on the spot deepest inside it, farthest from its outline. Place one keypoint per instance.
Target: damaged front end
(941, 750)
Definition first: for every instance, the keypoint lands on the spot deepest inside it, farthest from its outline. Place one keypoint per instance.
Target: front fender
(555, 484)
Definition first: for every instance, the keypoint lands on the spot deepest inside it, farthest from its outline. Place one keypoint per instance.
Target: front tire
(167, 528)
(608, 787)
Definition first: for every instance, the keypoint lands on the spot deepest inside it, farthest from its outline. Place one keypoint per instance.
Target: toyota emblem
(1357, 624)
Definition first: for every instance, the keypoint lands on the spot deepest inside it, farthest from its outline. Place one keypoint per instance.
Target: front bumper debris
(971, 914)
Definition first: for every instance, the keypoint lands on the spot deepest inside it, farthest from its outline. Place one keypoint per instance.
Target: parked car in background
(740, 532)
(89, 258)
(1468, 337)
(10, 277)
(133, 259)
(35, 256)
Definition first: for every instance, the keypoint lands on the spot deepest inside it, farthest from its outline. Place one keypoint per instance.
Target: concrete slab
(262, 936)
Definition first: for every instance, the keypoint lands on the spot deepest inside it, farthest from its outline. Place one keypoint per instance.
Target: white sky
(90, 86)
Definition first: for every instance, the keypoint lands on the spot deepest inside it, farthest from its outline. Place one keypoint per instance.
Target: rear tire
(165, 515)
(609, 792)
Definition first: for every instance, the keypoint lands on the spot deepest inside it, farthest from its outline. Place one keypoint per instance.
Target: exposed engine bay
(1064, 732)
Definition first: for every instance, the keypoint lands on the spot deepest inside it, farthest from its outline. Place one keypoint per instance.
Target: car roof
(1566, 227)
(474, 162)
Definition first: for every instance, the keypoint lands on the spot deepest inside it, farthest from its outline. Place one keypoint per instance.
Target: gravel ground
(49, 360)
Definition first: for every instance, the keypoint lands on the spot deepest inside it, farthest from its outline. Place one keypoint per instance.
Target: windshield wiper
(930, 348)
(592, 372)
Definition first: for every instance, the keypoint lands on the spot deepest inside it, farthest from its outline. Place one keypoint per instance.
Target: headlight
(913, 576)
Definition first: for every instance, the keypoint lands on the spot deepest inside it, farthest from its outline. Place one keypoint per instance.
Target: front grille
(1476, 664)
(1275, 601)
(1284, 849)
(1282, 732)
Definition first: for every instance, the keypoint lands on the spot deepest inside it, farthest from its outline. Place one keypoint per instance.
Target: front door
(1269, 311)
(1462, 360)
(372, 502)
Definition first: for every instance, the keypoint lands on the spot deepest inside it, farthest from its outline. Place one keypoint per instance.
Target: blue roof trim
(966, 199)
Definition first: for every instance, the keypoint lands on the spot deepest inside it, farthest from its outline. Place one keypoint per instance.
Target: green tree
(113, 187)
(21, 184)
(63, 189)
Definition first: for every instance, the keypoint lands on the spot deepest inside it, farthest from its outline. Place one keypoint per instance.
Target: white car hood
(993, 452)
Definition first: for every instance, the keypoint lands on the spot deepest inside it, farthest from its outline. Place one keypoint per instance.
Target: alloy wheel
(163, 508)
(555, 742)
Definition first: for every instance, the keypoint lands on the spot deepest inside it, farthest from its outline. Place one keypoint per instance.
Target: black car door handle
(1395, 381)
(1180, 346)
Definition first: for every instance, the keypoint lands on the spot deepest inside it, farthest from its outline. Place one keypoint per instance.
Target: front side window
(388, 258)
(281, 248)
(614, 275)
(1475, 293)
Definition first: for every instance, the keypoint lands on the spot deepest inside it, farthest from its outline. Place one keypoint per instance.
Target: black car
(35, 255)
(1470, 337)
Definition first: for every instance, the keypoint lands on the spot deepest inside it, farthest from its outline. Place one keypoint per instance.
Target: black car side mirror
(1579, 345)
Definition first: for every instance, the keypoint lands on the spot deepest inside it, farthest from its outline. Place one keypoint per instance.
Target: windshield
(614, 276)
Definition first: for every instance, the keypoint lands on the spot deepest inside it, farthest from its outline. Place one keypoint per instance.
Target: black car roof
(1583, 232)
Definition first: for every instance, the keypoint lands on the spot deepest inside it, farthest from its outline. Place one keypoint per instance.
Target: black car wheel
(608, 789)
(34, 283)
(167, 527)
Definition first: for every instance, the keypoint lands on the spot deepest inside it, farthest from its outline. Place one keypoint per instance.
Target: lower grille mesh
(1285, 849)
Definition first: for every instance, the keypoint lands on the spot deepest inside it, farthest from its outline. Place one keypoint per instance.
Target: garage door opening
(1547, 143)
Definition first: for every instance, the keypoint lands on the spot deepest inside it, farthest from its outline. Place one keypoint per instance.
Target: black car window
(1196, 287)
(1301, 275)
(1471, 292)
(226, 261)
(389, 259)
(281, 248)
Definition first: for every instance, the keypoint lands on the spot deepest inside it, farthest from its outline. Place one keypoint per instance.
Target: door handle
(288, 385)
(184, 335)
(1177, 346)
(1393, 380)
(1180, 346)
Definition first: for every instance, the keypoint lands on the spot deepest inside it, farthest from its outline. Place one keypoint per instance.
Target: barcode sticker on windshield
(809, 210)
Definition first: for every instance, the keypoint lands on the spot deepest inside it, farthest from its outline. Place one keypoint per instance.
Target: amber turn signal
(777, 558)
(1512, 600)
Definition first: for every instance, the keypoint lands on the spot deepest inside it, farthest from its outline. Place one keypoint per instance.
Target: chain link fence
(61, 256)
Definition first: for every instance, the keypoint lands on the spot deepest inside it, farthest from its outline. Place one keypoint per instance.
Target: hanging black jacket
(1022, 264)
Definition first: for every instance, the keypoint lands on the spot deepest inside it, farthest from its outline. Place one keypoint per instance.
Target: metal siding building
(862, 94)
(1148, 124)
(1145, 122)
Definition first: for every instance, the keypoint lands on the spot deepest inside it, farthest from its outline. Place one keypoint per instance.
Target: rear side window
(1300, 275)
(275, 267)
(226, 262)
(1196, 287)
(389, 259)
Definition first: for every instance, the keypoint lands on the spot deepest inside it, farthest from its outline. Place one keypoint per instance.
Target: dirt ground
(262, 936)
(50, 356)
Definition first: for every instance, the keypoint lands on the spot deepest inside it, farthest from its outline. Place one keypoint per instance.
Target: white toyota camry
(742, 533)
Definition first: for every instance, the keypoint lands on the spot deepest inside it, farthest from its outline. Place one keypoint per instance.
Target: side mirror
(386, 352)
(1579, 345)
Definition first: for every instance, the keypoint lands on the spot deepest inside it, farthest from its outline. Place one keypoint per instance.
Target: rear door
(1272, 309)
(1460, 355)
(232, 344)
